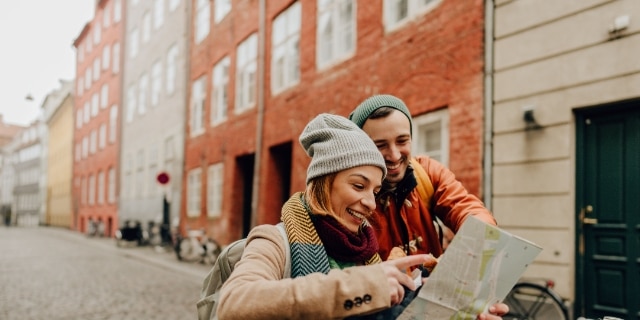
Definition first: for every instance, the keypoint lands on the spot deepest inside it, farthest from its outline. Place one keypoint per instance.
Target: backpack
(222, 269)
(425, 189)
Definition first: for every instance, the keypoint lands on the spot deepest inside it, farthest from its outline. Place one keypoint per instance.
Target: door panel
(608, 222)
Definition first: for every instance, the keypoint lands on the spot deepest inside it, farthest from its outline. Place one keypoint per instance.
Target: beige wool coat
(256, 290)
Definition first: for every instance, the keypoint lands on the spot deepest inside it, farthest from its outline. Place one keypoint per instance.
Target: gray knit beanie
(362, 112)
(334, 144)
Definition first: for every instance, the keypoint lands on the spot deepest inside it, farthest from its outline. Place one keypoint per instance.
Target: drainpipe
(260, 117)
(488, 103)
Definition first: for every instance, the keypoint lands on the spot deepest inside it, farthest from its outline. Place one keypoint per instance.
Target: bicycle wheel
(530, 301)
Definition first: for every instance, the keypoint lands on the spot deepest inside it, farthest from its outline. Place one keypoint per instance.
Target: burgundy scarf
(341, 243)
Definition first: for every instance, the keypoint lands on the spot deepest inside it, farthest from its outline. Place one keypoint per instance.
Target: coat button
(367, 298)
(358, 301)
(348, 304)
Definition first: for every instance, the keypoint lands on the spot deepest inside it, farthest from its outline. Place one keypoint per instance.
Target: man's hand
(496, 312)
(394, 270)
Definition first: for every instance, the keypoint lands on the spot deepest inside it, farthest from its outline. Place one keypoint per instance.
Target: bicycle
(529, 300)
(196, 246)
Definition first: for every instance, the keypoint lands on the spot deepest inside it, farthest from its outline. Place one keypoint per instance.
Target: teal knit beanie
(334, 144)
(362, 112)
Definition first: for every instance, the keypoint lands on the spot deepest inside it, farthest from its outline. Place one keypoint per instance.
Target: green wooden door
(608, 212)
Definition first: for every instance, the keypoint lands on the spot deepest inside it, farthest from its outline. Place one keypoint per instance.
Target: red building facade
(96, 119)
(430, 55)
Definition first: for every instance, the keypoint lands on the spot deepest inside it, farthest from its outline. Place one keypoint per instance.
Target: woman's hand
(496, 312)
(394, 270)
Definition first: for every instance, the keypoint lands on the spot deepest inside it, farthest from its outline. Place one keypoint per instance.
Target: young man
(403, 219)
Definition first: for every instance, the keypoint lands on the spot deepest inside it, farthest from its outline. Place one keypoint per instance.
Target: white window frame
(414, 9)
(92, 189)
(194, 196)
(220, 91)
(143, 91)
(340, 43)
(196, 112)
(93, 141)
(221, 9)
(146, 27)
(172, 68)
(113, 123)
(106, 16)
(117, 10)
(95, 104)
(102, 136)
(285, 57)
(158, 14)
(156, 82)
(215, 179)
(101, 187)
(432, 122)
(246, 73)
(203, 20)
(132, 99)
(112, 186)
(104, 95)
(106, 56)
(134, 40)
(173, 4)
(79, 118)
(115, 67)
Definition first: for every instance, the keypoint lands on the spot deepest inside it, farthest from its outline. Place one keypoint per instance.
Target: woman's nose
(369, 201)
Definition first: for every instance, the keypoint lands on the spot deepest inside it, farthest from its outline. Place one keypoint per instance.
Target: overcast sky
(37, 50)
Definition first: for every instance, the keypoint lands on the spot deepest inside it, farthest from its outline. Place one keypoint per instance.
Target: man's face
(392, 136)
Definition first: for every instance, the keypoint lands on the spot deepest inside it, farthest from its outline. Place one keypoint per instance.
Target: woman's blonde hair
(318, 194)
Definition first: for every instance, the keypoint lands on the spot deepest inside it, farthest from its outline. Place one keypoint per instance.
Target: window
(106, 16)
(285, 60)
(102, 136)
(172, 66)
(104, 96)
(156, 82)
(101, 187)
(83, 188)
(140, 185)
(87, 111)
(173, 4)
(220, 91)
(143, 88)
(246, 73)
(106, 57)
(431, 135)
(117, 10)
(79, 118)
(203, 13)
(80, 50)
(85, 147)
(396, 12)
(80, 86)
(158, 13)
(220, 9)
(87, 78)
(112, 186)
(131, 102)
(115, 68)
(146, 27)
(97, 32)
(197, 106)
(193, 192)
(113, 123)
(95, 104)
(168, 149)
(96, 69)
(133, 42)
(78, 153)
(215, 176)
(93, 142)
(336, 31)
(92, 190)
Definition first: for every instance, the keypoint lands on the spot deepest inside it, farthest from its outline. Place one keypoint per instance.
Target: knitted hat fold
(334, 144)
(362, 112)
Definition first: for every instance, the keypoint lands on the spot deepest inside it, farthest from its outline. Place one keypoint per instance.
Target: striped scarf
(308, 254)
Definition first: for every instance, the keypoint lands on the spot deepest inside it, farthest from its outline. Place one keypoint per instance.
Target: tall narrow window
(158, 13)
(173, 4)
(197, 106)
(146, 27)
(104, 96)
(214, 189)
(102, 136)
(194, 185)
(92, 190)
(134, 39)
(220, 90)
(113, 123)
(106, 57)
(336, 31)
(131, 102)
(101, 187)
(203, 14)
(115, 68)
(156, 82)
(106, 16)
(95, 104)
(221, 9)
(172, 67)
(397, 12)
(285, 60)
(112, 185)
(117, 10)
(246, 73)
(143, 91)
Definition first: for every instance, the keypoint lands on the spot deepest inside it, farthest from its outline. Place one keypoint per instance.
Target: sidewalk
(163, 257)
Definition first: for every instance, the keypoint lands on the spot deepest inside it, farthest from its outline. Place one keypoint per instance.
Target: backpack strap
(425, 189)
(287, 249)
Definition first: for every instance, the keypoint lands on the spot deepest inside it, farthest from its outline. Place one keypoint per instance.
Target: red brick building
(96, 118)
(242, 156)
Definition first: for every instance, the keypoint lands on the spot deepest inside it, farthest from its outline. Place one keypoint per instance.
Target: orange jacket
(408, 222)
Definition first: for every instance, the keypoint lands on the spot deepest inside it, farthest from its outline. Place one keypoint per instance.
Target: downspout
(488, 104)
(255, 194)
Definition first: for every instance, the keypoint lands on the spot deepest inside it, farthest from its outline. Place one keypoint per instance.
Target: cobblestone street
(51, 273)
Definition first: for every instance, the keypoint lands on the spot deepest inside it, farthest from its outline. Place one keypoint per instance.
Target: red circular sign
(163, 178)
